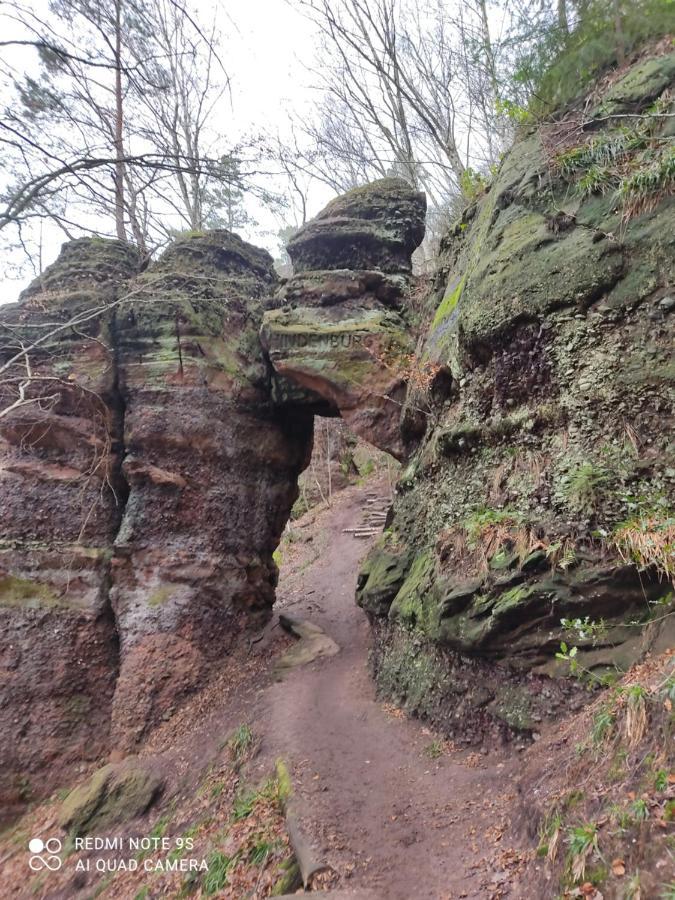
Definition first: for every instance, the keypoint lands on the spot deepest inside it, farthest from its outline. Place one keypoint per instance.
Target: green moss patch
(27, 593)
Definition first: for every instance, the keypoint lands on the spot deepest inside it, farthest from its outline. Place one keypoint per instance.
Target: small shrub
(603, 725)
(243, 805)
(260, 851)
(586, 628)
(635, 720)
(639, 810)
(550, 838)
(582, 841)
(472, 184)
(661, 780)
(434, 750)
(641, 190)
(596, 180)
(240, 742)
(584, 487)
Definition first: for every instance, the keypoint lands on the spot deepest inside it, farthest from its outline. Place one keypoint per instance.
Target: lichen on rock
(112, 796)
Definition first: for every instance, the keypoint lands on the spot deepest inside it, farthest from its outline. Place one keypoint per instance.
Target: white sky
(271, 48)
(267, 47)
(264, 45)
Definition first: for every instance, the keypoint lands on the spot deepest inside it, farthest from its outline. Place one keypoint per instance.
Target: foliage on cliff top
(557, 60)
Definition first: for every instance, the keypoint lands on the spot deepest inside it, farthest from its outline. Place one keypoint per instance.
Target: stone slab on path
(313, 644)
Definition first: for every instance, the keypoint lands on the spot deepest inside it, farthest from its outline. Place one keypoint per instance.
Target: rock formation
(211, 468)
(153, 425)
(150, 456)
(340, 342)
(542, 487)
(143, 496)
(62, 497)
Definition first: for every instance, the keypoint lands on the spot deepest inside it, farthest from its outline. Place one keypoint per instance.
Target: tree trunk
(119, 123)
(487, 47)
(563, 23)
(618, 32)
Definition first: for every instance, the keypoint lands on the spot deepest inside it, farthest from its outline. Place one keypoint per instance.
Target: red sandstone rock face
(61, 506)
(149, 459)
(142, 498)
(212, 472)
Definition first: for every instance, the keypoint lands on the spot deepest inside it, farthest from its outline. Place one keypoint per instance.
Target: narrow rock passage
(383, 813)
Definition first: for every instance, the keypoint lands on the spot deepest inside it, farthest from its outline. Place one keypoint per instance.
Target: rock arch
(146, 486)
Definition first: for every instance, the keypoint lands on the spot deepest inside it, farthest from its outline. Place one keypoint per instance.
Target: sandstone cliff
(542, 487)
(145, 488)
(163, 417)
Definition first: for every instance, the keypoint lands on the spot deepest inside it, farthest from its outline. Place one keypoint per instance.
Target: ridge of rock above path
(341, 343)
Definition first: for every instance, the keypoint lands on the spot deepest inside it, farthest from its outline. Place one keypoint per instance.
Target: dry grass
(472, 544)
(648, 541)
(607, 809)
(635, 718)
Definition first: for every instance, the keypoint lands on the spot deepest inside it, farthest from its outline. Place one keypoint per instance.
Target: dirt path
(385, 815)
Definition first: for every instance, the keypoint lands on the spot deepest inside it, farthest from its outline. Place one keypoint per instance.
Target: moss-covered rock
(376, 226)
(382, 576)
(340, 344)
(90, 268)
(24, 592)
(550, 312)
(113, 795)
(342, 360)
(642, 84)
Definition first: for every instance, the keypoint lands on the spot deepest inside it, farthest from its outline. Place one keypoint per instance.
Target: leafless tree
(115, 124)
(405, 88)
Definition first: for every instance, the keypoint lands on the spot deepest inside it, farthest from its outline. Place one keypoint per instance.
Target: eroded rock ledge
(339, 342)
(543, 488)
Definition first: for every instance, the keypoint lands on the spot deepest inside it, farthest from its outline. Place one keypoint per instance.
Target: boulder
(112, 796)
(376, 226)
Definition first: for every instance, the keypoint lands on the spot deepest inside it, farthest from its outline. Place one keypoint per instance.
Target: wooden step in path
(374, 512)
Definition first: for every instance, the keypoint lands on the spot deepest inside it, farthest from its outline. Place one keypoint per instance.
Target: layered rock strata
(211, 466)
(146, 479)
(340, 342)
(61, 427)
(150, 456)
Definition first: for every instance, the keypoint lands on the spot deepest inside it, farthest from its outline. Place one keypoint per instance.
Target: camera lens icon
(44, 854)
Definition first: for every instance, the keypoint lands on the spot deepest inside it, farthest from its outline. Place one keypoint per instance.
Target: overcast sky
(266, 44)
